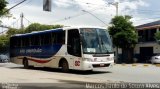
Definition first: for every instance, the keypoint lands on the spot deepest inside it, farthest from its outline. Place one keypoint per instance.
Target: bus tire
(25, 63)
(64, 65)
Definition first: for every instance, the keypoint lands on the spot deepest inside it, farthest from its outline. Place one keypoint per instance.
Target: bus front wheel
(65, 67)
(25, 63)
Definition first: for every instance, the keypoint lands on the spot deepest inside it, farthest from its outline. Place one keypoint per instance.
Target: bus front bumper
(97, 65)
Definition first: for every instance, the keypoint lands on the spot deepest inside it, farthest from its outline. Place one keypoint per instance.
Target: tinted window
(35, 40)
(46, 39)
(58, 37)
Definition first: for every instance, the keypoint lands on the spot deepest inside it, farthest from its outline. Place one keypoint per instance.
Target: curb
(141, 65)
(157, 65)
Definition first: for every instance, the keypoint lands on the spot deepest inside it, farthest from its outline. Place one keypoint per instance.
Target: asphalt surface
(135, 73)
(49, 78)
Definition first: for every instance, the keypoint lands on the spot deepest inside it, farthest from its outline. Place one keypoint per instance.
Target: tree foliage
(4, 43)
(3, 4)
(124, 35)
(40, 27)
(123, 32)
(32, 27)
(157, 35)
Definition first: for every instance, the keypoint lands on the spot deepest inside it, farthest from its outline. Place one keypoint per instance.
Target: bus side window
(73, 44)
(18, 43)
(46, 39)
(53, 38)
(25, 41)
(61, 37)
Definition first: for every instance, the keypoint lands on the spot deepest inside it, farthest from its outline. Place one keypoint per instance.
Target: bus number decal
(77, 63)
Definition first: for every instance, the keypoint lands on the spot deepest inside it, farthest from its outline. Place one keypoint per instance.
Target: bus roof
(56, 30)
(78, 27)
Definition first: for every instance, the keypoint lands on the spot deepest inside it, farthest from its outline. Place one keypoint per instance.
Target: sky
(82, 12)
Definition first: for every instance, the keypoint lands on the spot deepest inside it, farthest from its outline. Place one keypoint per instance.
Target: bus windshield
(95, 41)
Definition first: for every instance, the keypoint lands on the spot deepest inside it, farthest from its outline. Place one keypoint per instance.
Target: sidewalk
(140, 65)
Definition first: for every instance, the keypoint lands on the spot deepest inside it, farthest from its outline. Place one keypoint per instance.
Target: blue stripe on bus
(36, 51)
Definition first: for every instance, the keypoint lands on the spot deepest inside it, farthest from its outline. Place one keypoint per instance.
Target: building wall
(151, 48)
(146, 41)
(156, 47)
(136, 55)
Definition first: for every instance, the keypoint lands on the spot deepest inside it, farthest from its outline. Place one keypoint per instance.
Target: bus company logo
(31, 50)
(77, 63)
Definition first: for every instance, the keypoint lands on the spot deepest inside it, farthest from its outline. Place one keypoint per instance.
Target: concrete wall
(156, 47)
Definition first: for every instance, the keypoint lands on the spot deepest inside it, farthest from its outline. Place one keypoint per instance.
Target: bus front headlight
(110, 59)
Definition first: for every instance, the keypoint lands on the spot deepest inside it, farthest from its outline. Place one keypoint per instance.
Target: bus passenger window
(61, 37)
(46, 39)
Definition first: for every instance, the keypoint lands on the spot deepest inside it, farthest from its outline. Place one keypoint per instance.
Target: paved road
(14, 76)
(16, 73)
(140, 73)
(128, 73)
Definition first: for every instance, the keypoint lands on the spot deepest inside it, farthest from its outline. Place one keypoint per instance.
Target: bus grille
(100, 65)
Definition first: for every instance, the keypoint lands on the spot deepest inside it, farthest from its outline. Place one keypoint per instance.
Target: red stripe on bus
(39, 61)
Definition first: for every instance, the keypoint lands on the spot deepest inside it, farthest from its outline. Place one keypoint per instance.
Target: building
(147, 45)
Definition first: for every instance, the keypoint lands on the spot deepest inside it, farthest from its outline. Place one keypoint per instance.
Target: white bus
(78, 48)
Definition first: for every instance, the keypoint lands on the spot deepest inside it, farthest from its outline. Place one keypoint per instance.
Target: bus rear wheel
(25, 63)
(65, 67)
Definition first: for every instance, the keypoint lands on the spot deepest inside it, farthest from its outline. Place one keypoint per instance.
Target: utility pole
(95, 16)
(22, 16)
(116, 5)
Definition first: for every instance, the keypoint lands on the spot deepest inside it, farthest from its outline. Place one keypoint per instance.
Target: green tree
(4, 43)
(40, 27)
(3, 4)
(33, 27)
(124, 36)
(11, 31)
(157, 37)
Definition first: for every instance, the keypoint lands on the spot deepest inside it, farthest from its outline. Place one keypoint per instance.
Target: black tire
(65, 67)
(25, 63)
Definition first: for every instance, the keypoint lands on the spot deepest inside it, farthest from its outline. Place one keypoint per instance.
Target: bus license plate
(101, 64)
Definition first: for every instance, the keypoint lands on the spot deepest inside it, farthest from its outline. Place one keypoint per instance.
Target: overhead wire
(70, 17)
(74, 16)
(12, 24)
(80, 14)
(25, 4)
(29, 22)
(77, 15)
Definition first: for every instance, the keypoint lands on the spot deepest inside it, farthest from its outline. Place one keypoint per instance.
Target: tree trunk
(127, 55)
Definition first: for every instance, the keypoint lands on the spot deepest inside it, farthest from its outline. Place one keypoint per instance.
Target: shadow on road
(59, 70)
